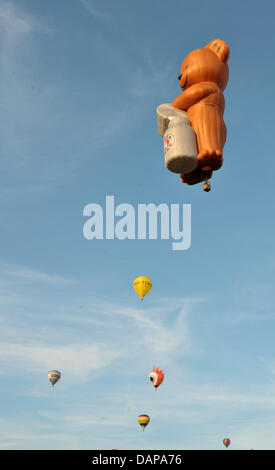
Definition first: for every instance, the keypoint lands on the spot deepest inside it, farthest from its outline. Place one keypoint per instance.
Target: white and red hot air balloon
(156, 377)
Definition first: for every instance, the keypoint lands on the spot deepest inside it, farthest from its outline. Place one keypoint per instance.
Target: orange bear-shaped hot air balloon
(156, 377)
(203, 77)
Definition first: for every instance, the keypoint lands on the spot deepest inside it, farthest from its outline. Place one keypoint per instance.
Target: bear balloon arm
(194, 94)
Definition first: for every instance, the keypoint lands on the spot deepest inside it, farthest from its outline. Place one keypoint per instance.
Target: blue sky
(80, 82)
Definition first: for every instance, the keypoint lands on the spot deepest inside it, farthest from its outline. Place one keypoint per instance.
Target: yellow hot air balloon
(142, 286)
(143, 420)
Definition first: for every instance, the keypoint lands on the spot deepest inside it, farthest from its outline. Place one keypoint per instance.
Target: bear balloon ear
(220, 48)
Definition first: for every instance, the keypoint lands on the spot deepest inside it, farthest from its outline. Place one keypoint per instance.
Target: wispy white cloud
(99, 341)
(21, 107)
(206, 422)
(141, 78)
(100, 15)
(31, 275)
(29, 114)
(92, 329)
(15, 22)
(151, 79)
(75, 360)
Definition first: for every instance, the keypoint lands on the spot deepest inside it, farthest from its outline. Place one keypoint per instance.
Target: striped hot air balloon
(54, 376)
(143, 420)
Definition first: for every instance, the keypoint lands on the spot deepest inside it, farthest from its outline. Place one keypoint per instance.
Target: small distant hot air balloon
(142, 285)
(156, 377)
(54, 376)
(143, 420)
(226, 442)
